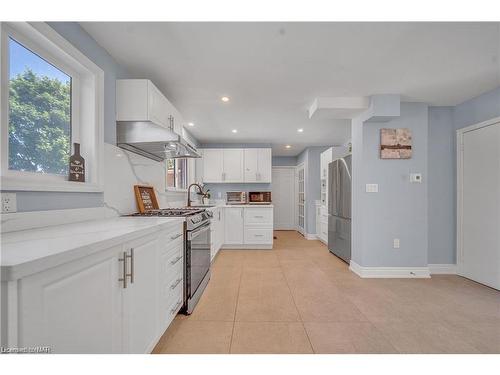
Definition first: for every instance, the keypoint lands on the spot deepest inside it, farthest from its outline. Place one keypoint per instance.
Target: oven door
(197, 257)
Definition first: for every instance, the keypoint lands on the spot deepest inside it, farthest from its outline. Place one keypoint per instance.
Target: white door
(140, 296)
(213, 165)
(301, 199)
(283, 196)
(264, 172)
(233, 225)
(479, 208)
(233, 165)
(75, 307)
(251, 164)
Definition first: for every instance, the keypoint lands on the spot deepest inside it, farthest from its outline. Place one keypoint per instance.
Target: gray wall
(39, 201)
(399, 209)
(284, 161)
(441, 186)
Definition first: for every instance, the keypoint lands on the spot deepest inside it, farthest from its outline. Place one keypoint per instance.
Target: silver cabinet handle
(175, 260)
(175, 283)
(241, 211)
(259, 235)
(132, 261)
(124, 270)
(177, 305)
(176, 236)
(259, 217)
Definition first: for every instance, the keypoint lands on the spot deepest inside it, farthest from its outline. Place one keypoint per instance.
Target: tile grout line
(235, 310)
(295, 304)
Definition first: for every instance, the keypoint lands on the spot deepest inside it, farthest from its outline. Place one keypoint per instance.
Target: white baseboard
(389, 272)
(310, 236)
(248, 247)
(443, 269)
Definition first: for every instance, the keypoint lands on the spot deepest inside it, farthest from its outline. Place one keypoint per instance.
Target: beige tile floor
(299, 298)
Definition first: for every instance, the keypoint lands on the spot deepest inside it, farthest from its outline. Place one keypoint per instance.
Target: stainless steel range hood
(152, 141)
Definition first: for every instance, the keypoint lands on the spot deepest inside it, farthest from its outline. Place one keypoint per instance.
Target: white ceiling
(272, 72)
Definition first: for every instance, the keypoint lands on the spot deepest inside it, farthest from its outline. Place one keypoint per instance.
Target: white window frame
(188, 176)
(87, 107)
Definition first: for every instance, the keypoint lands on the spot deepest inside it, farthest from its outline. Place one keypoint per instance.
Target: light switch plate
(9, 203)
(396, 243)
(372, 188)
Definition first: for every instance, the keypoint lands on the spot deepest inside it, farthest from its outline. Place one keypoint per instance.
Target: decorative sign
(146, 198)
(395, 143)
(76, 165)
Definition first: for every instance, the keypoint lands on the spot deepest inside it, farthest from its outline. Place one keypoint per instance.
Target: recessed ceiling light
(190, 124)
(288, 146)
(224, 99)
(300, 130)
(235, 130)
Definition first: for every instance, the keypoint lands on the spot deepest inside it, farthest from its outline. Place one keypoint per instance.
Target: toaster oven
(236, 197)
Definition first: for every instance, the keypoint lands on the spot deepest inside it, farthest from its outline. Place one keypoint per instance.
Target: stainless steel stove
(196, 250)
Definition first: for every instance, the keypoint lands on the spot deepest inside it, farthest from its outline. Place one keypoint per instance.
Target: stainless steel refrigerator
(339, 207)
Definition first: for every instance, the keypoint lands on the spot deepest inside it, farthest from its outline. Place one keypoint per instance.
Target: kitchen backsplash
(123, 170)
(218, 191)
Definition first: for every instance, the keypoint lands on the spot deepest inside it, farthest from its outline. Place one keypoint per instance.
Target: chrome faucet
(200, 191)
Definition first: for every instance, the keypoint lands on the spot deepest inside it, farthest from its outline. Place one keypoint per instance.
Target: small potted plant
(206, 197)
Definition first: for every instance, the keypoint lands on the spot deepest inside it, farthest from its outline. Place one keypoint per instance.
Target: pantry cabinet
(235, 165)
(141, 100)
(258, 165)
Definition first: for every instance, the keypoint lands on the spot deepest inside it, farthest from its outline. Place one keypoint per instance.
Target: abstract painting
(395, 143)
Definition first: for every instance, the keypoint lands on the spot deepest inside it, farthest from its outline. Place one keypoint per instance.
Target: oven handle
(194, 233)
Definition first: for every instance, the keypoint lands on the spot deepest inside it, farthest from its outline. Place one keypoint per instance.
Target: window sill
(174, 190)
(34, 184)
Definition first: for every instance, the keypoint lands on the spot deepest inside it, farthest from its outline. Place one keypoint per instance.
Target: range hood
(152, 141)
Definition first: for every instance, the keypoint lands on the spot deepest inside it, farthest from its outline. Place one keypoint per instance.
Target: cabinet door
(212, 165)
(233, 221)
(220, 229)
(159, 107)
(177, 121)
(251, 161)
(264, 173)
(233, 165)
(141, 296)
(75, 307)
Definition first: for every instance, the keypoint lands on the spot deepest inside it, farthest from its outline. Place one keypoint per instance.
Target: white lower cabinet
(217, 231)
(249, 227)
(85, 306)
(233, 225)
(322, 223)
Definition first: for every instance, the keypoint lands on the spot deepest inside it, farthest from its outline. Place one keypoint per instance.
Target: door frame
(296, 211)
(294, 205)
(460, 153)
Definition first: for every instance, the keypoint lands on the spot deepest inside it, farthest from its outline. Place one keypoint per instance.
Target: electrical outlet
(9, 202)
(396, 243)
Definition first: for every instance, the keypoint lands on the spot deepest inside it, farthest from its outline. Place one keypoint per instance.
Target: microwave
(236, 197)
(259, 197)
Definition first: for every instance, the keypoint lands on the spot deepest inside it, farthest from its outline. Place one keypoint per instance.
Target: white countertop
(29, 251)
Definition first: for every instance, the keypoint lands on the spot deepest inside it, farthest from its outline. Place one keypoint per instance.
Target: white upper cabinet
(258, 165)
(213, 165)
(233, 165)
(140, 100)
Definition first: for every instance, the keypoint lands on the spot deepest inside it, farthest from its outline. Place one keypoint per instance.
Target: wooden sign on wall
(146, 198)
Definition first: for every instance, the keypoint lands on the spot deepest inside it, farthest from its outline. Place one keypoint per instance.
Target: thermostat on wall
(416, 178)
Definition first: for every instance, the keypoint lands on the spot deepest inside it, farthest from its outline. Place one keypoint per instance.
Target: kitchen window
(51, 98)
(177, 174)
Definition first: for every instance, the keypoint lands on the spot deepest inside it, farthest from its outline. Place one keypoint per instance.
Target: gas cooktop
(174, 212)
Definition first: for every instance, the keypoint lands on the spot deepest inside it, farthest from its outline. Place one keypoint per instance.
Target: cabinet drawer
(171, 301)
(172, 262)
(258, 236)
(171, 237)
(258, 215)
